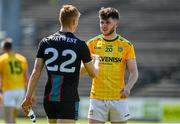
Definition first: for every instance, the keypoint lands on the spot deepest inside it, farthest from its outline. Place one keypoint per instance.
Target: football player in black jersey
(61, 53)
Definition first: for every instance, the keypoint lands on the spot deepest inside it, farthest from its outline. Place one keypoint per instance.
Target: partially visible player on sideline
(109, 92)
(61, 53)
(13, 80)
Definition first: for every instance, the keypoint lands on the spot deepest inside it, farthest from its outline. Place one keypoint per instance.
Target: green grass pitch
(81, 121)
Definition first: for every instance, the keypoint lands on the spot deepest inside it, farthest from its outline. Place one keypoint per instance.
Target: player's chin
(105, 33)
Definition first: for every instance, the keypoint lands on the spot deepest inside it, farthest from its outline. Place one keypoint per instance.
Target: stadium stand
(153, 26)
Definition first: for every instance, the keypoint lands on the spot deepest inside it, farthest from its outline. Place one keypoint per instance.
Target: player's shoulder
(124, 40)
(3, 56)
(47, 38)
(78, 39)
(50, 37)
(20, 56)
(96, 38)
(58, 36)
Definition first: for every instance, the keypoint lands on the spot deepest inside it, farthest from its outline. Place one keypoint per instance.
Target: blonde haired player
(109, 93)
(13, 75)
(61, 53)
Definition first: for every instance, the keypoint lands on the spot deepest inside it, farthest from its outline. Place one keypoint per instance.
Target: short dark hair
(6, 43)
(109, 12)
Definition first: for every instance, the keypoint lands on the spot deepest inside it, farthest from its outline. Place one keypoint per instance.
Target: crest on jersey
(120, 48)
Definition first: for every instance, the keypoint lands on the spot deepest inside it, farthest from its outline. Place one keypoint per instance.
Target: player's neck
(111, 36)
(7, 51)
(66, 29)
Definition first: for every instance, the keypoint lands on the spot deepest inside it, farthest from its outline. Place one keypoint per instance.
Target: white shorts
(13, 98)
(109, 110)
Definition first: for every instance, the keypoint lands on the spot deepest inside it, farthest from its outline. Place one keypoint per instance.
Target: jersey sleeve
(86, 56)
(131, 53)
(40, 52)
(90, 46)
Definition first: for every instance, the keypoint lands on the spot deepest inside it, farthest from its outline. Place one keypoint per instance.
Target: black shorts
(61, 110)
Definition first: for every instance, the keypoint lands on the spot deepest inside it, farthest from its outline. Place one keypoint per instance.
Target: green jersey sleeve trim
(124, 40)
(95, 38)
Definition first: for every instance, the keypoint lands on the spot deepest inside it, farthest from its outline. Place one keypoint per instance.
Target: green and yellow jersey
(113, 57)
(13, 68)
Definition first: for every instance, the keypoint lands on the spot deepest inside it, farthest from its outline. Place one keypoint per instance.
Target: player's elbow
(93, 74)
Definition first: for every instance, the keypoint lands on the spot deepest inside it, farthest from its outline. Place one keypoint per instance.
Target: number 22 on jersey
(62, 66)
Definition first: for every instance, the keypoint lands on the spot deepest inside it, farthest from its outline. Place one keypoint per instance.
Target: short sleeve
(131, 53)
(86, 56)
(90, 46)
(40, 52)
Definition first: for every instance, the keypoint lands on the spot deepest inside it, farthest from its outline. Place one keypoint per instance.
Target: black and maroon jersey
(62, 53)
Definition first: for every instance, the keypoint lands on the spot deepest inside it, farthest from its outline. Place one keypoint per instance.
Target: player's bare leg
(52, 121)
(16, 111)
(9, 115)
(66, 121)
(125, 122)
(92, 121)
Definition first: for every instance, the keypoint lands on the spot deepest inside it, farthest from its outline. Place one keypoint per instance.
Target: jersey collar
(112, 39)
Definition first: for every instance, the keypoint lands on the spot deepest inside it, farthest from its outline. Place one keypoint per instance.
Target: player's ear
(117, 23)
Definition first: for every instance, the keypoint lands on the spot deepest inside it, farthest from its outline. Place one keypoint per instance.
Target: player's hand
(96, 60)
(26, 105)
(95, 57)
(125, 92)
(33, 99)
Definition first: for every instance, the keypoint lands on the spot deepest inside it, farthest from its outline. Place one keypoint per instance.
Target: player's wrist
(128, 87)
(28, 98)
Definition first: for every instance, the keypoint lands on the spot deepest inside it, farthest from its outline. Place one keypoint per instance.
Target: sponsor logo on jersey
(98, 45)
(62, 38)
(110, 59)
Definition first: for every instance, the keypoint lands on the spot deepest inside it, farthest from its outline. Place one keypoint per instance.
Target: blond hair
(67, 14)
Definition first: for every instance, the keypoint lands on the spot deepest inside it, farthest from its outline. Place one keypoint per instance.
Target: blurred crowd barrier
(150, 109)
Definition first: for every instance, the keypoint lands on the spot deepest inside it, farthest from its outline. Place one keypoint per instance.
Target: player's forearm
(96, 68)
(32, 83)
(82, 70)
(26, 77)
(132, 79)
(91, 68)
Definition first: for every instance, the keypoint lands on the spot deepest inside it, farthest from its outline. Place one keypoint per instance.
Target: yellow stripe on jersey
(13, 67)
(113, 57)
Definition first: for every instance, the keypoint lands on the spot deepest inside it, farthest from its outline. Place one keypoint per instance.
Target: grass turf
(81, 121)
